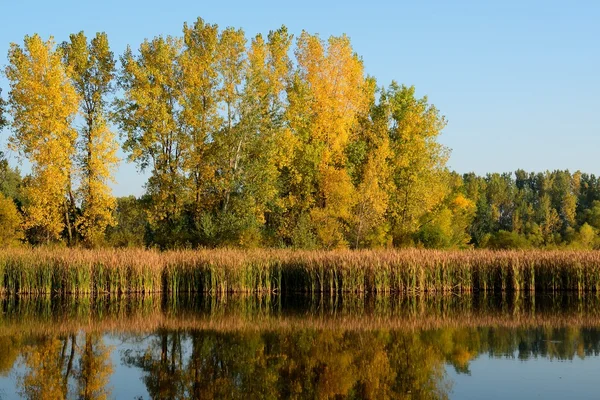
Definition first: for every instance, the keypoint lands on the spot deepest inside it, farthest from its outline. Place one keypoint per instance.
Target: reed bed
(90, 272)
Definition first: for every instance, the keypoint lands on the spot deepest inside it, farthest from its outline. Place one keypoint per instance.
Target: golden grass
(75, 271)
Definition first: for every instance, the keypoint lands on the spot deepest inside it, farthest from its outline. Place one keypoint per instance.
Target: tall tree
(326, 97)
(418, 161)
(43, 104)
(369, 155)
(156, 137)
(230, 139)
(264, 105)
(200, 108)
(92, 68)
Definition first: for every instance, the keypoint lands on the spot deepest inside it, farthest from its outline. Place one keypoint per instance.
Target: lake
(255, 347)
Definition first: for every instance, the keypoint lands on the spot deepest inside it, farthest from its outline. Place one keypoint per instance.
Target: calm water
(306, 348)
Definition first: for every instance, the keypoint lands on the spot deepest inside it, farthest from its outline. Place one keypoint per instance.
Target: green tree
(131, 223)
(418, 161)
(150, 116)
(10, 181)
(200, 110)
(369, 156)
(3, 120)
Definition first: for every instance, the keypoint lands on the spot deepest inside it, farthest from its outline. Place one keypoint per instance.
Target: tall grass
(74, 271)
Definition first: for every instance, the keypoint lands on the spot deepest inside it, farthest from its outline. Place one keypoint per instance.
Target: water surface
(300, 347)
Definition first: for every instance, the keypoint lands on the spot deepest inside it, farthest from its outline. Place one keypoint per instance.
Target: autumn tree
(156, 137)
(200, 109)
(448, 225)
(92, 67)
(369, 156)
(418, 160)
(326, 95)
(261, 150)
(43, 104)
(11, 232)
(229, 139)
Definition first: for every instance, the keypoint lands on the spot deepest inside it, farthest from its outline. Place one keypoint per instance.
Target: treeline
(247, 145)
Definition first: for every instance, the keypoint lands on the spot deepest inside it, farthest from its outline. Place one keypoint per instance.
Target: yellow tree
(11, 231)
(328, 94)
(43, 104)
(230, 139)
(92, 68)
(369, 156)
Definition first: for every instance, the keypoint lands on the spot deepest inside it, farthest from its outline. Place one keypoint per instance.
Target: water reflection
(97, 361)
(56, 367)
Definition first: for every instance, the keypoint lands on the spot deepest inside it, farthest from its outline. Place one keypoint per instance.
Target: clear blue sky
(517, 80)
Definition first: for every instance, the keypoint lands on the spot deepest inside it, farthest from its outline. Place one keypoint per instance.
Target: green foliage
(3, 121)
(131, 223)
(503, 240)
(10, 181)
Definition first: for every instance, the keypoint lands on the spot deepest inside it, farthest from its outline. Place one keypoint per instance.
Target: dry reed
(75, 271)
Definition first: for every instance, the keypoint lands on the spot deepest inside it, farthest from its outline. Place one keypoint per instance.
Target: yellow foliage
(11, 231)
(334, 75)
(43, 104)
(44, 379)
(91, 68)
(95, 368)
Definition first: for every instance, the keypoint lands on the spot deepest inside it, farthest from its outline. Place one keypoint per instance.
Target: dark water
(305, 348)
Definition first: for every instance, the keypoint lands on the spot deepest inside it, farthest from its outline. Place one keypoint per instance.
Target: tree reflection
(51, 367)
(95, 369)
(290, 363)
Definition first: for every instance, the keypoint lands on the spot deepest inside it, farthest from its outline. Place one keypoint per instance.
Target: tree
(92, 68)
(369, 155)
(418, 161)
(3, 121)
(43, 104)
(131, 223)
(326, 97)
(266, 137)
(230, 139)
(448, 226)
(156, 137)
(11, 232)
(586, 236)
(10, 181)
(200, 108)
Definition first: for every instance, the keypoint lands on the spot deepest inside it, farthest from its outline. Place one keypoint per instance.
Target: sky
(518, 80)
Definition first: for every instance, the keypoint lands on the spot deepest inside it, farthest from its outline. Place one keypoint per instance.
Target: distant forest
(263, 142)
